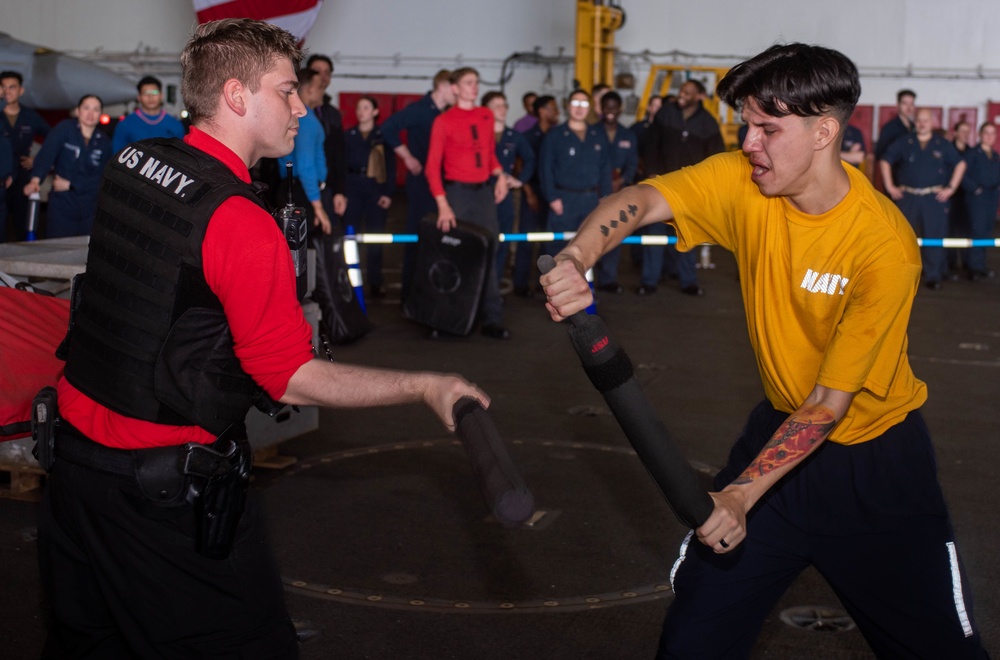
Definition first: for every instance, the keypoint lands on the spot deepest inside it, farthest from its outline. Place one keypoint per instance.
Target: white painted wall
(403, 42)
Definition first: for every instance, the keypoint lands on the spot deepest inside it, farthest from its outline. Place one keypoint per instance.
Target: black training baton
(611, 372)
(506, 494)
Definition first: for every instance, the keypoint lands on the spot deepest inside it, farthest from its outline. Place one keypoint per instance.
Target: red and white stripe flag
(296, 16)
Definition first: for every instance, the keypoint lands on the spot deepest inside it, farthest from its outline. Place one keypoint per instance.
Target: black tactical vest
(148, 337)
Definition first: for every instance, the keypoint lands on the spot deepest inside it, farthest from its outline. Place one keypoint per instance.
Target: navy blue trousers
(419, 203)
(524, 253)
(870, 518)
(929, 219)
(982, 218)
(661, 260)
(365, 215)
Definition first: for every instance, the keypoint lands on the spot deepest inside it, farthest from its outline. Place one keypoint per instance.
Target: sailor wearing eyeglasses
(149, 120)
(574, 168)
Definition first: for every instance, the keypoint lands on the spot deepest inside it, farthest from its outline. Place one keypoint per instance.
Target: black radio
(295, 226)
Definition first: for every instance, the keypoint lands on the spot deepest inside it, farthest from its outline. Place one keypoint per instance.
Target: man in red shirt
(187, 314)
(464, 148)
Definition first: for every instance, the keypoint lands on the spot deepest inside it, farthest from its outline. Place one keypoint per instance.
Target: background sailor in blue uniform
(574, 168)
(78, 152)
(981, 185)
(6, 177)
(534, 208)
(371, 182)
(623, 155)
(852, 146)
(21, 126)
(511, 146)
(416, 119)
(921, 172)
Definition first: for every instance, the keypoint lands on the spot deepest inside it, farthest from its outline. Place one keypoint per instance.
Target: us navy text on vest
(150, 167)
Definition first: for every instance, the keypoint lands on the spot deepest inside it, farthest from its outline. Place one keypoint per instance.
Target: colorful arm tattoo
(793, 440)
(622, 219)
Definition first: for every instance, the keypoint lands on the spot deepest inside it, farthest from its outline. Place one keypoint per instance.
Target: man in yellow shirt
(835, 468)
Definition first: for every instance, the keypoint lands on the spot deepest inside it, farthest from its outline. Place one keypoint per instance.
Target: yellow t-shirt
(827, 297)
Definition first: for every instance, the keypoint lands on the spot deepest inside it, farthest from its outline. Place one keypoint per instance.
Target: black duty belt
(465, 185)
(192, 458)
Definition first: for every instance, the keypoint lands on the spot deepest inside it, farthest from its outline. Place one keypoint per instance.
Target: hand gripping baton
(504, 490)
(611, 372)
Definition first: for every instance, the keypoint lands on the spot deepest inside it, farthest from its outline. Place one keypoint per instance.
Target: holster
(44, 414)
(212, 479)
(223, 498)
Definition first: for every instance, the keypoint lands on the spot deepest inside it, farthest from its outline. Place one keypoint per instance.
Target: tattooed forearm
(622, 219)
(793, 440)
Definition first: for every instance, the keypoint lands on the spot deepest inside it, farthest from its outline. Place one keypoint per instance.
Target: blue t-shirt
(140, 126)
(308, 158)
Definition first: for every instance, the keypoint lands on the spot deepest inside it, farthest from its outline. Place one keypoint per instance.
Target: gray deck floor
(384, 540)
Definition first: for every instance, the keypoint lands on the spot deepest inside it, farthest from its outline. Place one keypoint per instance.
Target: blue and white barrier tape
(532, 237)
(545, 237)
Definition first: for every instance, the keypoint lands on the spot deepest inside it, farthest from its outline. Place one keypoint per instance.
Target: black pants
(476, 206)
(872, 520)
(122, 578)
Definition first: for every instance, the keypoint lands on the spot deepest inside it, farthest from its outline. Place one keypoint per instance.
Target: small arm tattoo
(792, 441)
(622, 219)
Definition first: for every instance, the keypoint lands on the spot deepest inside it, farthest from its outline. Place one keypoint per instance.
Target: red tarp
(31, 327)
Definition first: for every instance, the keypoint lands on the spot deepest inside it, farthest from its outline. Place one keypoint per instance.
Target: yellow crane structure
(667, 79)
(596, 24)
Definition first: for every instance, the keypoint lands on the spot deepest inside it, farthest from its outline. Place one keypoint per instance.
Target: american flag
(296, 16)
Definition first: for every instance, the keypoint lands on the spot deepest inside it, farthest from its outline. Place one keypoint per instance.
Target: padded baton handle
(611, 372)
(506, 494)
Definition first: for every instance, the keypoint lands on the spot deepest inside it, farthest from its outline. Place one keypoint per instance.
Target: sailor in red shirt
(186, 316)
(463, 147)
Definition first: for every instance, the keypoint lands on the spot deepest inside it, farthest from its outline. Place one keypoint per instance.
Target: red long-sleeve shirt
(248, 266)
(463, 145)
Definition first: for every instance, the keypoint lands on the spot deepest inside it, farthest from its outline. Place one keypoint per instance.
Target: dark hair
(460, 73)
(370, 99)
(239, 48)
(541, 102)
(611, 96)
(442, 76)
(148, 80)
(489, 96)
(599, 87)
(12, 74)
(699, 85)
(578, 90)
(905, 92)
(305, 76)
(83, 98)
(319, 58)
(795, 79)
(959, 123)
(528, 95)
